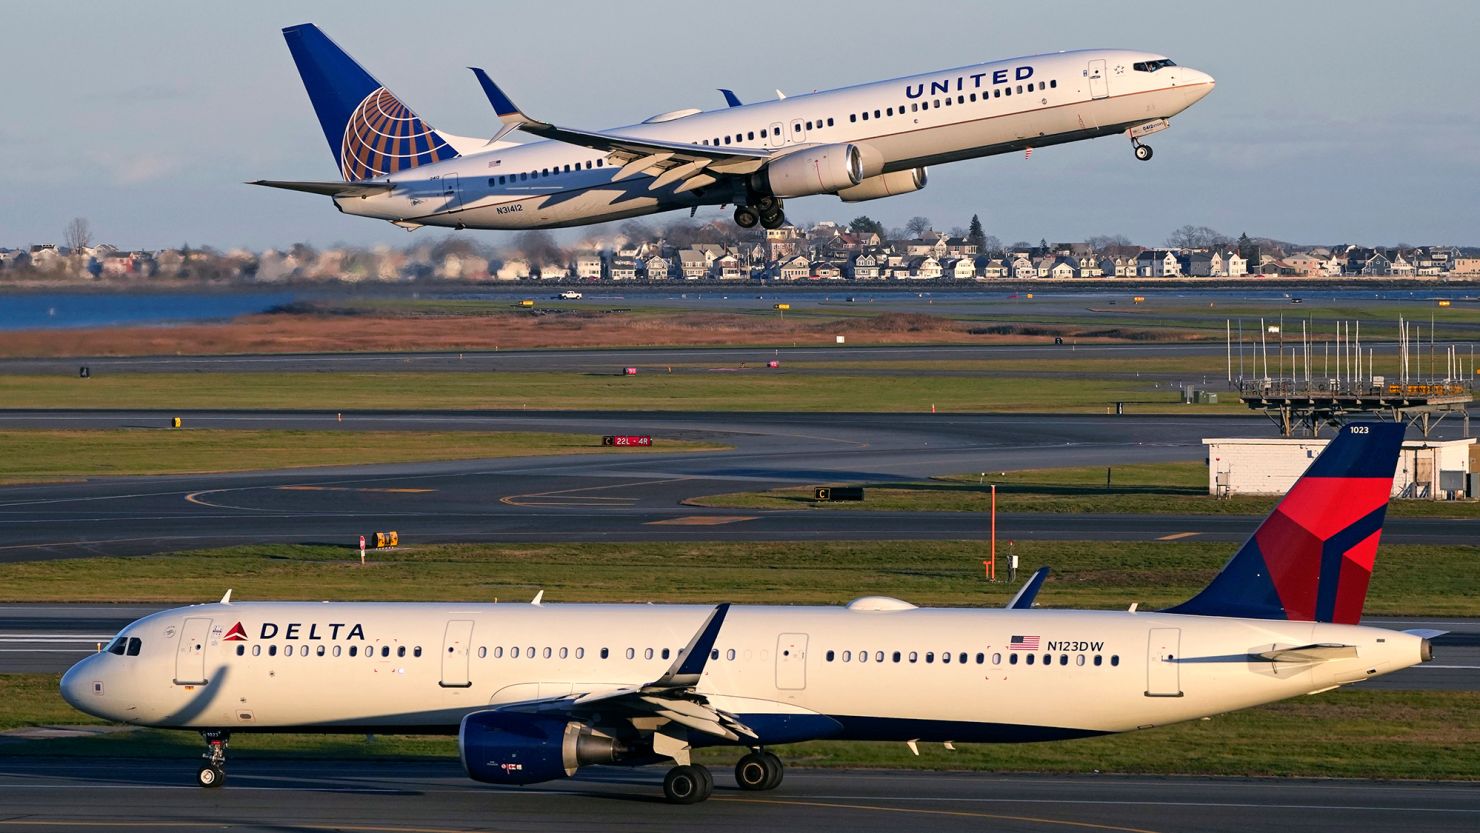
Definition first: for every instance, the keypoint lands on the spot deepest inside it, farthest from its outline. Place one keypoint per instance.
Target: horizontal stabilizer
(1311, 653)
(1425, 633)
(328, 189)
(1029, 592)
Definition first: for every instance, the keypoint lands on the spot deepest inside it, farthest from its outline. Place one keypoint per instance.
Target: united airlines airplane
(857, 143)
(536, 691)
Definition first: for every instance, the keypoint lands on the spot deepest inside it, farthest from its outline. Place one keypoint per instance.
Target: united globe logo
(383, 136)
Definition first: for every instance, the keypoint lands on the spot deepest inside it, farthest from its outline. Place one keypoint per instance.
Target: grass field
(1348, 733)
(1416, 580)
(724, 390)
(1148, 488)
(40, 454)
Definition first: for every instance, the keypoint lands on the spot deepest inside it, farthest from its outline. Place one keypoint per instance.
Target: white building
(1427, 469)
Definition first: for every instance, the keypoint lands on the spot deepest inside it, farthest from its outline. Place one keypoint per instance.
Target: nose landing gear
(1143, 152)
(212, 773)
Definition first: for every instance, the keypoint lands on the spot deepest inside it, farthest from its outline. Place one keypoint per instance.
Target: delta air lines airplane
(534, 692)
(857, 143)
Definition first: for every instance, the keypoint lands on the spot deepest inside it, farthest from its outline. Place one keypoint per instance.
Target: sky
(1356, 121)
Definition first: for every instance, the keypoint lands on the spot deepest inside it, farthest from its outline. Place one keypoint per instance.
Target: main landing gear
(212, 773)
(765, 211)
(1143, 152)
(691, 784)
(759, 770)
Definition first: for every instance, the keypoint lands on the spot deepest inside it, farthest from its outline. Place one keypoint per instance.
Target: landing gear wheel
(758, 771)
(687, 784)
(746, 217)
(773, 221)
(1143, 153)
(210, 776)
(768, 204)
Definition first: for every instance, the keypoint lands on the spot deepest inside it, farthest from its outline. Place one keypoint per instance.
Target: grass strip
(725, 389)
(1409, 580)
(45, 454)
(1350, 733)
(1179, 488)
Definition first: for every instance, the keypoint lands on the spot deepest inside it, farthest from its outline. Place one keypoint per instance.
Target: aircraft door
(798, 131)
(1098, 88)
(455, 654)
(778, 135)
(452, 191)
(190, 654)
(1163, 653)
(791, 661)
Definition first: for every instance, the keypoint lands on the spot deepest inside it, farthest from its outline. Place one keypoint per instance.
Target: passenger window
(272, 650)
(564, 653)
(580, 653)
(865, 115)
(665, 653)
(548, 653)
(730, 654)
(353, 650)
(937, 104)
(948, 101)
(482, 652)
(960, 99)
(320, 650)
(514, 652)
(876, 114)
(973, 98)
(241, 650)
(852, 117)
(385, 650)
(945, 657)
(600, 163)
(337, 651)
(631, 653)
(416, 652)
(134, 644)
(829, 656)
(257, 650)
(997, 659)
(963, 658)
(1053, 84)
(401, 652)
(1098, 659)
(1114, 659)
(647, 654)
(605, 652)
(1063, 659)
(914, 656)
(863, 656)
(727, 140)
(1012, 659)
(1007, 91)
(847, 656)
(750, 135)
(996, 93)
(763, 132)
(1079, 660)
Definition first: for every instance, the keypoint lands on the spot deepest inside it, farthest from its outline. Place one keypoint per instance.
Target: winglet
(226, 599)
(1024, 598)
(689, 666)
(503, 106)
(538, 599)
(730, 98)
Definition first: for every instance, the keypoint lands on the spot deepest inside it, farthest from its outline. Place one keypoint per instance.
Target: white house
(1427, 469)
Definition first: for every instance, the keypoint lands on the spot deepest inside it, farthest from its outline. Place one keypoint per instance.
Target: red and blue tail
(1311, 559)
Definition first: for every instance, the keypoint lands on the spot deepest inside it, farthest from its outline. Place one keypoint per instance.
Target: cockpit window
(117, 645)
(134, 644)
(1153, 66)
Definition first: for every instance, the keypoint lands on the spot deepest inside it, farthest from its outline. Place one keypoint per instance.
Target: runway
(616, 497)
(392, 797)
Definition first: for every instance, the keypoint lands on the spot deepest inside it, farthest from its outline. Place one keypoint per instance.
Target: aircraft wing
(693, 165)
(671, 696)
(328, 189)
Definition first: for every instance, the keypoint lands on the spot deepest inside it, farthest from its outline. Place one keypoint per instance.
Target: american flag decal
(1023, 643)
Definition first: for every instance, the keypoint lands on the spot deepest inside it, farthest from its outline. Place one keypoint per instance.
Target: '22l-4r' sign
(629, 440)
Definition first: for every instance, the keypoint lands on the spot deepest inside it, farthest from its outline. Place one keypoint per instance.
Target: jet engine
(505, 748)
(885, 185)
(826, 169)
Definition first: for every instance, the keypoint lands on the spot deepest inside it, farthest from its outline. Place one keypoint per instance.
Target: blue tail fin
(371, 133)
(1312, 558)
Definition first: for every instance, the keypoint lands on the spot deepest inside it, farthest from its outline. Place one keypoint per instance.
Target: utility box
(1473, 492)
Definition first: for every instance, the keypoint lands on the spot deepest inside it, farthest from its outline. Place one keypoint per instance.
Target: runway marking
(404, 491)
(1177, 536)
(1085, 825)
(701, 520)
(194, 497)
(553, 498)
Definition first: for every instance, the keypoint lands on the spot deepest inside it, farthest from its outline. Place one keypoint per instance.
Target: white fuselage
(897, 125)
(791, 673)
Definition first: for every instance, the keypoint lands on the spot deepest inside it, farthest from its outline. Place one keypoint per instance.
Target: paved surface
(49, 638)
(616, 497)
(92, 794)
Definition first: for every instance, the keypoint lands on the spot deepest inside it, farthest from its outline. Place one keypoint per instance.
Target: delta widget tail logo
(236, 634)
(384, 137)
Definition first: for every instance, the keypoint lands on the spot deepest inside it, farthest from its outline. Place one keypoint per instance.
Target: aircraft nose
(76, 686)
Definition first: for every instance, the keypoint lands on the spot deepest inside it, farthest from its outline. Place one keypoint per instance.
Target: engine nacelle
(827, 169)
(505, 748)
(885, 185)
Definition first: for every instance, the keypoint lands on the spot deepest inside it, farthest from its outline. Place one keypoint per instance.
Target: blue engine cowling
(507, 748)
